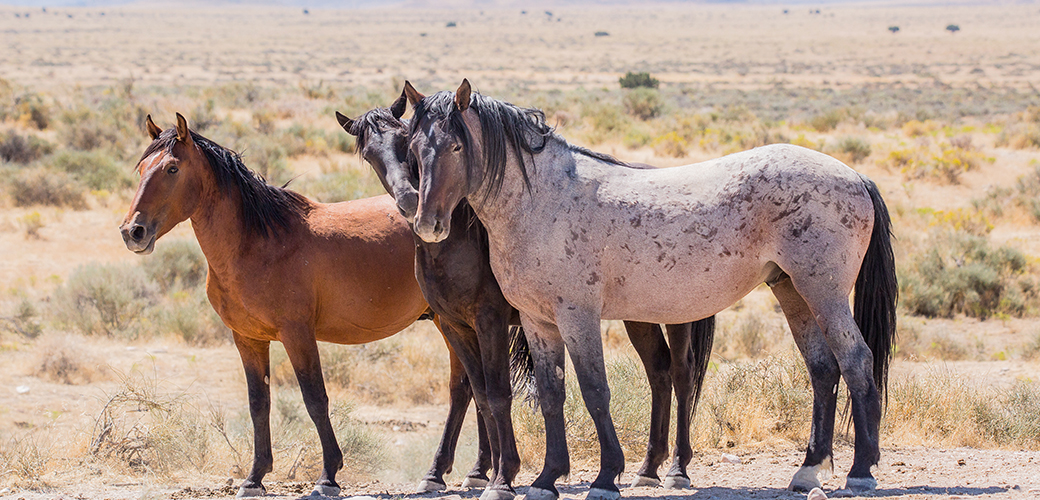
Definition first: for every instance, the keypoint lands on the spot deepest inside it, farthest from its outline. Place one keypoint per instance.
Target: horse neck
(217, 223)
(500, 211)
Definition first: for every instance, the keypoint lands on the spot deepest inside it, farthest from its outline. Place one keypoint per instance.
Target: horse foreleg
(492, 329)
(303, 354)
(823, 374)
(649, 343)
(680, 342)
(580, 330)
(257, 365)
(547, 349)
(460, 395)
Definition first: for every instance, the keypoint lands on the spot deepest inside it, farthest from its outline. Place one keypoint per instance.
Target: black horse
(456, 278)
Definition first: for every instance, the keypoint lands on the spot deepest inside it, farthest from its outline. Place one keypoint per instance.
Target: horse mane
(375, 119)
(502, 125)
(266, 209)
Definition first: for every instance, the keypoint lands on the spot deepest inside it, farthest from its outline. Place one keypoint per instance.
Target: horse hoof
(474, 482)
(652, 482)
(601, 494)
(676, 482)
(244, 492)
(494, 494)
(816, 494)
(325, 490)
(539, 494)
(860, 483)
(428, 485)
(804, 480)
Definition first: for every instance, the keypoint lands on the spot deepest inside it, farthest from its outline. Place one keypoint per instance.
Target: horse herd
(494, 221)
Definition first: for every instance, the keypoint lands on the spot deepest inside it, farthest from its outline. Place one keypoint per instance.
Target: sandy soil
(960, 473)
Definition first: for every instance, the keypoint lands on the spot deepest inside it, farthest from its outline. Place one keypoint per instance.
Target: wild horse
(576, 236)
(456, 278)
(284, 268)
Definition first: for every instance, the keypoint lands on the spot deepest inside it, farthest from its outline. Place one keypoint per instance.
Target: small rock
(816, 494)
(230, 481)
(158, 350)
(961, 461)
(22, 389)
(843, 493)
(730, 459)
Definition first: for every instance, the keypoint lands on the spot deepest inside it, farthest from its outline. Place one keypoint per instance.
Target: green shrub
(18, 149)
(643, 103)
(852, 149)
(42, 186)
(635, 80)
(176, 265)
(829, 120)
(96, 169)
(961, 273)
(31, 111)
(189, 315)
(101, 299)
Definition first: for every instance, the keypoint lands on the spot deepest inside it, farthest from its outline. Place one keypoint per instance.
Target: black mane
(375, 119)
(502, 125)
(266, 209)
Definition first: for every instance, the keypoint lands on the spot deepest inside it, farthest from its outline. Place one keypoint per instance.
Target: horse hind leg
(580, 331)
(823, 374)
(855, 361)
(690, 352)
(547, 349)
(649, 343)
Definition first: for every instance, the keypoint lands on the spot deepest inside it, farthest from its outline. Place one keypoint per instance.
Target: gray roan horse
(575, 237)
(456, 278)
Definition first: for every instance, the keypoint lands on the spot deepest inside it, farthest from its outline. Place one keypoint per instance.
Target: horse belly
(686, 290)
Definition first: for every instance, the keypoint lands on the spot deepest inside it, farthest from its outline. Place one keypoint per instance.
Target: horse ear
(153, 130)
(398, 107)
(345, 122)
(413, 95)
(462, 95)
(183, 134)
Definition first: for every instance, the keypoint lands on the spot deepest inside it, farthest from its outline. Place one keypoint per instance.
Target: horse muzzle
(407, 204)
(431, 229)
(138, 238)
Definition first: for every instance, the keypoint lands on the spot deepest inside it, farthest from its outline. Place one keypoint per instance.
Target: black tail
(521, 366)
(877, 291)
(702, 336)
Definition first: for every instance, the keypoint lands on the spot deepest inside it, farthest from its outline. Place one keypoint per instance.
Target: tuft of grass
(62, 359)
(33, 223)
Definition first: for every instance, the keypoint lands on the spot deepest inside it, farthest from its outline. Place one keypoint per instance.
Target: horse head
(172, 173)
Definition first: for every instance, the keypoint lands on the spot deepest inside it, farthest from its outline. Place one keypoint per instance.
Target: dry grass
(948, 121)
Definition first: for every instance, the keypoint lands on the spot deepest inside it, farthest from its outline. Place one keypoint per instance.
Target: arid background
(119, 381)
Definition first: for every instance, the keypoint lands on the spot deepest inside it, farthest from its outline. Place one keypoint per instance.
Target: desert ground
(947, 122)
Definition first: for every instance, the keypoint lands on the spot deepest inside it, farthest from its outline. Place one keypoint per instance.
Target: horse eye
(172, 170)
(456, 148)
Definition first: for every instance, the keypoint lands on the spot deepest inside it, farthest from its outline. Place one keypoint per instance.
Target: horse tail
(702, 336)
(521, 366)
(874, 305)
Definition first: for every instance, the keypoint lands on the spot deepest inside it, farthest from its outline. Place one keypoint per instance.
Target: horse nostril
(137, 233)
(438, 228)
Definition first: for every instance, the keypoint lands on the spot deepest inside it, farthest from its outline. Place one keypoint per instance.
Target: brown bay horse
(284, 268)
